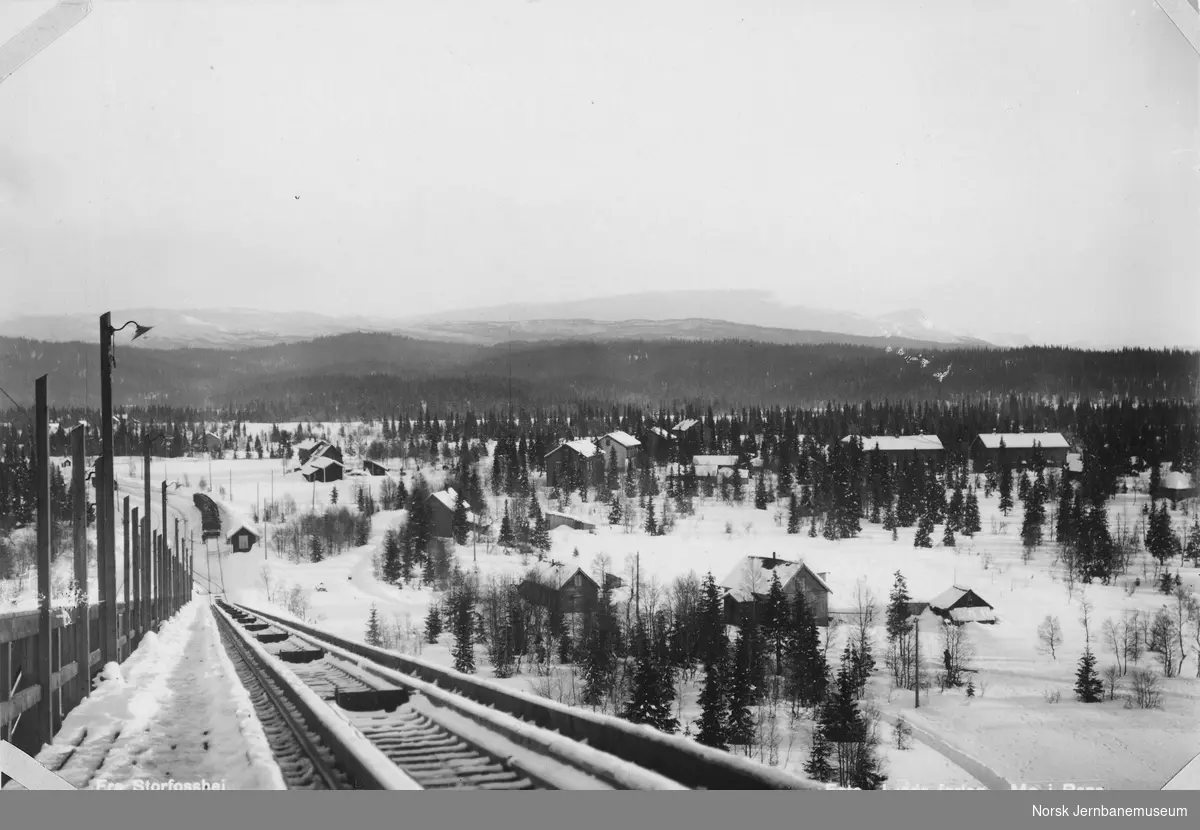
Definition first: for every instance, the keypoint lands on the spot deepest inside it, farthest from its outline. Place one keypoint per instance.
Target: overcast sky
(1022, 166)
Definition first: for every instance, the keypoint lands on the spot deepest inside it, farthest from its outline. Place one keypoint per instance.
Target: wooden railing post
(45, 711)
(125, 614)
(135, 578)
(82, 685)
(147, 566)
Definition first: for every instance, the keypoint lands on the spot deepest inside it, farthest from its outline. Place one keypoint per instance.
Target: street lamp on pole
(105, 517)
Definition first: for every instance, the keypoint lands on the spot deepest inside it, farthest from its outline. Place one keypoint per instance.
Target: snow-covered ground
(1008, 735)
(173, 716)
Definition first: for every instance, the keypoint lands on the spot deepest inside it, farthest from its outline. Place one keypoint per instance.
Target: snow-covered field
(1008, 735)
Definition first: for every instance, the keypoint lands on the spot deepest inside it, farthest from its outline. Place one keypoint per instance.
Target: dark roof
(916, 609)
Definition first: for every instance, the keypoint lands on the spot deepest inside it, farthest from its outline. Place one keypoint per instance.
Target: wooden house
(373, 468)
(959, 605)
(747, 586)
(582, 455)
(441, 511)
(312, 448)
(657, 442)
(1019, 448)
(241, 539)
(624, 445)
(323, 469)
(897, 448)
(578, 592)
(212, 443)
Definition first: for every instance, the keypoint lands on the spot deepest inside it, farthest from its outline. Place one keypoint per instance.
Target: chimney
(823, 574)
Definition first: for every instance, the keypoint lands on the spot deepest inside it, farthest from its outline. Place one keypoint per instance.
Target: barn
(959, 605)
(1019, 447)
(312, 448)
(581, 454)
(322, 469)
(897, 448)
(624, 445)
(747, 586)
(373, 468)
(441, 511)
(241, 539)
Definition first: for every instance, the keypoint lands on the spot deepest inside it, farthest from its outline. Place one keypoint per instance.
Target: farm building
(312, 448)
(691, 426)
(1176, 486)
(373, 468)
(581, 454)
(323, 469)
(555, 519)
(1018, 447)
(212, 443)
(898, 448)
(241, 539)
(580, 592)
(624, 445)
(714, 466)
(747, 586)
(961, 605)
(441, 511)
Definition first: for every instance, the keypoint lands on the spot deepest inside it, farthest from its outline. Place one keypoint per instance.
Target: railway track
(337, 721)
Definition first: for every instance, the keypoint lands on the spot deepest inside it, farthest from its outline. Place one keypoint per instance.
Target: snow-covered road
(173, 716)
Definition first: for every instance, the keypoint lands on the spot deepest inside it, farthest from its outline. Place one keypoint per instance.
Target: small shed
(373, 468)
(241, 539)
(959, 605)
(555, 519)
(1176, 486)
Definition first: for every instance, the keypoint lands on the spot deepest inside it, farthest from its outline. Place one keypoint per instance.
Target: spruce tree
(651, 525)
(741, 692)
(391, 557)
(818, 766)
(464, 630)
(760, 491)
(777, 615)
(615, 513)
(651, 691)
(924, 535)
(433, 625)
(374, 631)
(714, 702)
(506, 538)
(793, 525)
(972, 522)
(316, 550)
(948, 535)
(1089, 688)
(812, 527)
(460, 524)
(1006, 499)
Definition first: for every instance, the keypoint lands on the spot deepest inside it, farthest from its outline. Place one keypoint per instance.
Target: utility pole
(917, 665)
(107, 549)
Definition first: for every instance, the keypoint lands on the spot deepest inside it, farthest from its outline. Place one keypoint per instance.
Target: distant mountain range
(683, 315)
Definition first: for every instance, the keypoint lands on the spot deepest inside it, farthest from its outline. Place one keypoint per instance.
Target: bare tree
(1050, 634)
(1085, 618)
(1113, 634)
(1112, 679)
(1145, 692)
(957, 653)
(865, 612)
